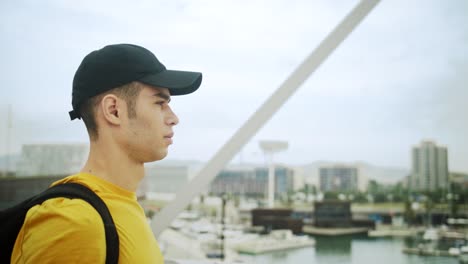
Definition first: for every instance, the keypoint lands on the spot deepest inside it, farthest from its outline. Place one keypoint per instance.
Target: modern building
(337, 178)
(284, 178)
(271, 219)
(251, 181)
(332, 214)
(460, 179)
(51, 159)
(429, 167)
(299, 181)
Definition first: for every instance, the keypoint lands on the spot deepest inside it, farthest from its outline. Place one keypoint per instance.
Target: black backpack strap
(75, 190)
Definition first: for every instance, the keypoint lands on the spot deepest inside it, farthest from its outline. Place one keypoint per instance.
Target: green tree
(373, 187)
(330, 196)
(380, 197)
(360, 197)
(150, 213)
(409, 214)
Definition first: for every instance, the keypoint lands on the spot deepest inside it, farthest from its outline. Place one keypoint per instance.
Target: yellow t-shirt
(63, 230)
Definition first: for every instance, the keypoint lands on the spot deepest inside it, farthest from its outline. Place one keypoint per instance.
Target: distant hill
(384, 175)
(310, 171)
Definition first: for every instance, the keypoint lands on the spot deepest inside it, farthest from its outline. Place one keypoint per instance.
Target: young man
(122, 93)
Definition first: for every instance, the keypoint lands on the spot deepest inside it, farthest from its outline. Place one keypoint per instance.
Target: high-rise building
(338, 178)
(430, 167)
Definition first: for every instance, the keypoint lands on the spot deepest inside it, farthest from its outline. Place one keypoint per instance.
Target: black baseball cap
(119, 64)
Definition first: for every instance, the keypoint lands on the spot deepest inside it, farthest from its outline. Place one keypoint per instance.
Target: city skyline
(13, 161)
(61, 159)
(397, 80)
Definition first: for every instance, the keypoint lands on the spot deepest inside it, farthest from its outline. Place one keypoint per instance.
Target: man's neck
(108, 162)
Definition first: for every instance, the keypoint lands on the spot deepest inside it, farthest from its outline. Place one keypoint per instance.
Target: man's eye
(160, 102)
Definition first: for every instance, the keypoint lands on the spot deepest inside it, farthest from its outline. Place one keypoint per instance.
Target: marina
(199, 241)
(355, 249)
(352, 249)
(440, 242)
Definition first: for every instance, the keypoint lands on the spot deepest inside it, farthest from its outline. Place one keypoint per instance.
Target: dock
(277, 240)
(310, 230)
(427, 252)
(394, 231)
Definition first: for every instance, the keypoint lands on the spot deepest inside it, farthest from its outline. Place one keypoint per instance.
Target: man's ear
(112, 109)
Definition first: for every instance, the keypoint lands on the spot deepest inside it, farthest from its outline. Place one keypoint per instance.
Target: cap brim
(178, 82)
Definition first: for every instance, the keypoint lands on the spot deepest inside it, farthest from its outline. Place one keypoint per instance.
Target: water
(350, 249)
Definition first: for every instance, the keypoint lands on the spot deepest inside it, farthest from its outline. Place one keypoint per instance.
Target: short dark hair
(128, 92)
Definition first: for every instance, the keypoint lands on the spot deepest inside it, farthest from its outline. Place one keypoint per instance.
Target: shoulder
(66, 211)
(61, 229)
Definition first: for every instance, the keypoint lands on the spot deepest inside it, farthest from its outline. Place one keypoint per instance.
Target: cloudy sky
(399, 78)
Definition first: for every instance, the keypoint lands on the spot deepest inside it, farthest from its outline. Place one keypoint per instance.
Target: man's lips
(168, 137)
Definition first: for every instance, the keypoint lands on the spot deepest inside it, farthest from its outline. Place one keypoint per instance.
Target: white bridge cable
(186, 194)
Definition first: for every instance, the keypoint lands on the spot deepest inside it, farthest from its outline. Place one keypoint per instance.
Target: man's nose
(172, 118)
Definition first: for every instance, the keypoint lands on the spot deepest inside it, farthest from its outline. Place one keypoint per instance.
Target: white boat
(276, 240)
(464, 250)
(178, 224)
(463, 257)
(431, 234)
(454, 251)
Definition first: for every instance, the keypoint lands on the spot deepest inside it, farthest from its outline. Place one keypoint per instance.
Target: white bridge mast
(186, 194)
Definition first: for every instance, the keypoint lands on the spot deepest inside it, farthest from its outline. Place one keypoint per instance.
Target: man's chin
(158, 156)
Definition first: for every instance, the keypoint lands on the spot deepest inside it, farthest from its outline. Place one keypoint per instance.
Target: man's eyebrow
(163, 96)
